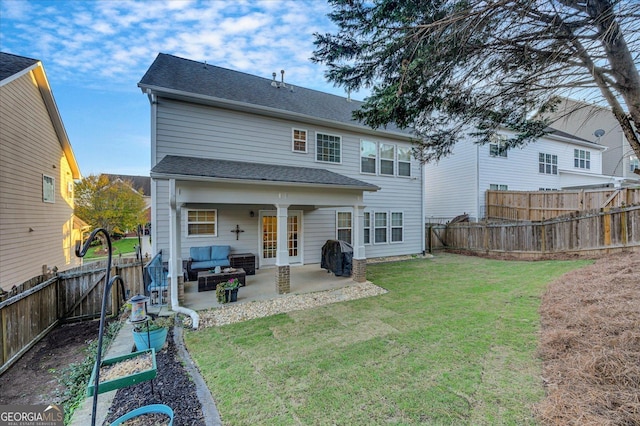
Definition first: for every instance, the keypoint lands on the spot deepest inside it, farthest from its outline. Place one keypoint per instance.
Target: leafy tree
(112, 205)
(447, 66)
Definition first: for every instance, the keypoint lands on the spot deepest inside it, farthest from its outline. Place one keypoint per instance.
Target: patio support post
(283, 278)
(359, 266)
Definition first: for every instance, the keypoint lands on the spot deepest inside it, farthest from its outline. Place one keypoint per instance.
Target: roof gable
(11, 65)
(183, 76)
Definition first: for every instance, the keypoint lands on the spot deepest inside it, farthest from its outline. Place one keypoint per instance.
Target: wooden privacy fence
(71, 295)
(543, 205)
(592, 232)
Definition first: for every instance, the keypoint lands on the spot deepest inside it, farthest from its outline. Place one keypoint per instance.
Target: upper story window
(404, 161)
(328, 148)
(368, 156)
(343, 228)
(498, 187)
(581, 159)
(547, 163)
(387, 159)
(299, 140)
(202, 222)
(498, 146)
(48, 189)
(634, 163)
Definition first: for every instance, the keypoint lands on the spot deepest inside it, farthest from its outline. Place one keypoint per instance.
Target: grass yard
(453, 342)
(121, 246)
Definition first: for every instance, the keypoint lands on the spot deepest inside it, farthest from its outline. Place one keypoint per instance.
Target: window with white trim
(497, 187)
(397, 227)
(343, 226)
(328, 148)
(380, 227)
(387, 159)
(202, 222)
(367, 227)
(368, 156)
(547, 163)
(299, 140)
(404, 161)
(498, 146)
(48, 189)
(634, 163)
(581, 159)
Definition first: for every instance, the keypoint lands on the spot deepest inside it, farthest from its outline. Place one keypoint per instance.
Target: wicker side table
(209, 280)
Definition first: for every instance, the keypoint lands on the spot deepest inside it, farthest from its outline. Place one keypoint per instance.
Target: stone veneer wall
(283, 279)
(359, 270)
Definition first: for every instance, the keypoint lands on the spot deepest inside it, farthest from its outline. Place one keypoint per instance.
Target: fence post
(543, 238)
(607, 226)
(624, 238)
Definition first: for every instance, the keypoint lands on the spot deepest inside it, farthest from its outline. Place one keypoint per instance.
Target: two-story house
(457, 183)
(37, 172)
(273, 169)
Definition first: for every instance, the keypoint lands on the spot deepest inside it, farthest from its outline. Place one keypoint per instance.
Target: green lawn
(121, 246)
(453, 342)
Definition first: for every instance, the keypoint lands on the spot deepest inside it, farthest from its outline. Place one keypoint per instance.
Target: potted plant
(152, 333)
(228, 291)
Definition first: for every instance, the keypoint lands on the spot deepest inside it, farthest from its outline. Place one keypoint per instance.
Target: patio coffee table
(208, 280)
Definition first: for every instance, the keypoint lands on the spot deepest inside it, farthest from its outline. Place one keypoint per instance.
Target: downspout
(153, 101)
(174, 259)
(423, 189)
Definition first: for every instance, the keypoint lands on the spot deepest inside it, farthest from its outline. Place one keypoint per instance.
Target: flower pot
(155, 339)
(231, 295)
(146, 409)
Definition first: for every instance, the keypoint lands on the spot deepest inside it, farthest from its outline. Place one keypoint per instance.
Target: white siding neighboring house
(37, 172)
(285, 165)
(457, 184)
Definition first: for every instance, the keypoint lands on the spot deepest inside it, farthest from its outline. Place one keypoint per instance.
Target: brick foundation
(283, 279)
(359, 270)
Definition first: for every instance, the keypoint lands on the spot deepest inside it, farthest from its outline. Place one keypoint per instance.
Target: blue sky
(95, 53)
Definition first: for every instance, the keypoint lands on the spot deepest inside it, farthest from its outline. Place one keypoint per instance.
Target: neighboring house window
(387, 159)
(48, 189)
(368, 156)
(498, 146)
(548, 163)
(496, 187)
(367, 227)
(581, 159)
(404, 161)
(299, 140)
(397, 227)
(202, 222)
(634, 163)
(343, 228)
(380, 227)
(328, 148)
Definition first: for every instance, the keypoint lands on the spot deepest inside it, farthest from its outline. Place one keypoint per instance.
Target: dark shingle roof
(13, 64)
(556, 132)
(187, 76)
(237, 170)
(137, 182)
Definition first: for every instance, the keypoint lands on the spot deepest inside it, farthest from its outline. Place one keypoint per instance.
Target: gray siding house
(273, 169)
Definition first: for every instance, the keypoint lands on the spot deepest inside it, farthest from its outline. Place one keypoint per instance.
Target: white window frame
(634, 163)
(366, 228)
(214, 222)
(387, 160)
(339, 144)
(547, 163)
(581, 162)
(408, 162)
(48, 189)
(344, 228)
(392, 227)
(498, 187)
(376, 227)
(374, 158)
(294, 140)
(497, 146)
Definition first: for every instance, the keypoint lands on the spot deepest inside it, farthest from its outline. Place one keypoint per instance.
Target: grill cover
(337, 257)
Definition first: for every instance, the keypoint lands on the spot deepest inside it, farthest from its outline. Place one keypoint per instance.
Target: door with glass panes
(269, 237)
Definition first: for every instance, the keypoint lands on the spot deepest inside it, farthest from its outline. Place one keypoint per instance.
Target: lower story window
(497, 187)
(634, 163)
(367, 228)
(202, 222)
(380, 227)
(343, 228)
(397, 227)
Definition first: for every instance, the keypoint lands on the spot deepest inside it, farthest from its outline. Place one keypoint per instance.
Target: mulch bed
(590, 345)
(172, 386)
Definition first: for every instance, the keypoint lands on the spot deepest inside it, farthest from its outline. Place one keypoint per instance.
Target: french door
(269, 237)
